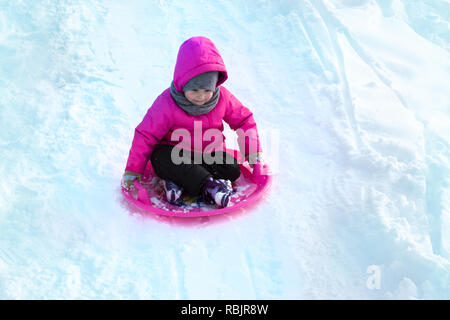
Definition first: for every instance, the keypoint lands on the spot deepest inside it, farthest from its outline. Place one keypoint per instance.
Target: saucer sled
(248, 189)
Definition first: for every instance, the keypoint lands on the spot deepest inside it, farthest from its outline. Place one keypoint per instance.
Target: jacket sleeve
(240, 119)
(148, 133)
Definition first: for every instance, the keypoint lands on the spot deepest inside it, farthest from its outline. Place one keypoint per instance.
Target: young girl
(192, 108)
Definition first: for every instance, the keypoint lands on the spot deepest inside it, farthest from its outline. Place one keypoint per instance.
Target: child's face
(198, 97)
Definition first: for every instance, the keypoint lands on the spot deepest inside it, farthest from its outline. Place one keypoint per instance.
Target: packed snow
(352, 102)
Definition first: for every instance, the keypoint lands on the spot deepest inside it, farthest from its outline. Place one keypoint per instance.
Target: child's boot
(217, 191)
(173, 192)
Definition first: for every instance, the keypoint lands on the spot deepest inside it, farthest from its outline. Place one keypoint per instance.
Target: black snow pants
(192, 175)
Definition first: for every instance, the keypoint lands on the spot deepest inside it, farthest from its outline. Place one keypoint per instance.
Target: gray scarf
(190, 108)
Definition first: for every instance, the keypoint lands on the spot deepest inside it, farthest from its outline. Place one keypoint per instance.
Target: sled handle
(142, 193)
(260, 172)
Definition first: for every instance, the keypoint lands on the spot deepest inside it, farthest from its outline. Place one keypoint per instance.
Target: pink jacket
(196, 55)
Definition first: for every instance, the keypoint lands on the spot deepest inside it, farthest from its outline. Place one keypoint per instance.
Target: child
(193, 108)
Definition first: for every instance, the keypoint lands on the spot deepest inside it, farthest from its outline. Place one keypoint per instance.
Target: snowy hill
(352, 104)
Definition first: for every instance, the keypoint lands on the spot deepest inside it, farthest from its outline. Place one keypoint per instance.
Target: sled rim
(263, 182)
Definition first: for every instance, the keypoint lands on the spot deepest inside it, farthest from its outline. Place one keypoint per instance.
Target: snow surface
(352, 101)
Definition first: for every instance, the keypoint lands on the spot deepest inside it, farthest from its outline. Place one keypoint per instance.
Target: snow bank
(352, 103)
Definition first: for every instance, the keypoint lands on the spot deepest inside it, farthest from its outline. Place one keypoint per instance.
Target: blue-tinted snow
(352, 104)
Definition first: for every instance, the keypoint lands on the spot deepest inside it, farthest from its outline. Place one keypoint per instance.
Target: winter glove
(254, 158)
(129, 177)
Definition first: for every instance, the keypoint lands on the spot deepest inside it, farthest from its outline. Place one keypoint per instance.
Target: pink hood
(197, 55)
(165, 119)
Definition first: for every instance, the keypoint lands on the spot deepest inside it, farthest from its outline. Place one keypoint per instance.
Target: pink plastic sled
(247, 189)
